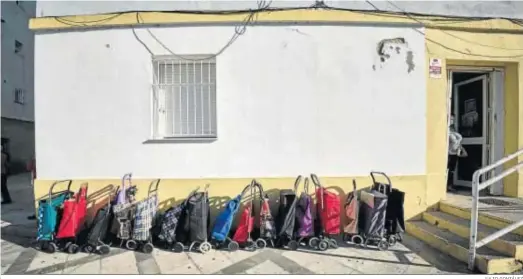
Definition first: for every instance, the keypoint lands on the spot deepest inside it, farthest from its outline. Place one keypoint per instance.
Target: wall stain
(410, 61)
(394, 46)
(297, 31)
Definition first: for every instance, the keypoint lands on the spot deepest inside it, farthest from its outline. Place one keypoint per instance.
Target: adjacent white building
(17, 78)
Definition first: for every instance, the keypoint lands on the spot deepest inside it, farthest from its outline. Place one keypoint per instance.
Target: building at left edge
(18, 132)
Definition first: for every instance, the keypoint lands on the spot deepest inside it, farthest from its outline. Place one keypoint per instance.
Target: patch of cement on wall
(387, 48)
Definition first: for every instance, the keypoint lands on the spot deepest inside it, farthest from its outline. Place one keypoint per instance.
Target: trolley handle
(206, 190)
(154, 189)
(127, 177)
(111, 197)
(253, 184)
(82, 193)
(193, 192)
(122, 196)
(355, 194)
(373, 173)
(297, 183)
(260, 189)
(306, 185)
(381, 186)
(262, 192)
(247, 188)
(317, 184)
(69, 182)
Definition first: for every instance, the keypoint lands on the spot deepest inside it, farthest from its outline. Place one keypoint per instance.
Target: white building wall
(290, 100)
(17, 68)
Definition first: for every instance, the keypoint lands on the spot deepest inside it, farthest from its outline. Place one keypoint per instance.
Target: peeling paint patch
(410, 61)
(387, 48)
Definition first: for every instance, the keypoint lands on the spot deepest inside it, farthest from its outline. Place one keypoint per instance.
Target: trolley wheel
(323, 245)
(333, 243)
(383, 245)
(293, 245)
(250, 245)
(178, 247)
(104, 249)
(313, 242)
(42, 245)
(72, 248)
(358, 240)
(88, 248)
(205, 247)
(366, 243)
(131, 244)
(51, 248)
(261, 243)
(392, 240)
(233, 246)
(191, 246)
(147, 248)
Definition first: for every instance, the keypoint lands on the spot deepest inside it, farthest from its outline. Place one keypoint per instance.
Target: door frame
(483, 140)
(495, 107)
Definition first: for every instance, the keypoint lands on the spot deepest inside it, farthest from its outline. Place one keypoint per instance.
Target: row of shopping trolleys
(373, 216)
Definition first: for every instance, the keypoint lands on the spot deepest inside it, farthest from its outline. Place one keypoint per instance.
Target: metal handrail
(474, 244)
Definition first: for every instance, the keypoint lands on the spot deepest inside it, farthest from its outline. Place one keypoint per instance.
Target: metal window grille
(18, 46)
(19, 96)
(184, 98)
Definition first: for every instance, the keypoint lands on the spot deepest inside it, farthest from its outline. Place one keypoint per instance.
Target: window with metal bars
(19, 96)
(184, 97)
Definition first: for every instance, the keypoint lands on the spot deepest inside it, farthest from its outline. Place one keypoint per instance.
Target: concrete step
(488, 261)
(494, 218)
(509, 244)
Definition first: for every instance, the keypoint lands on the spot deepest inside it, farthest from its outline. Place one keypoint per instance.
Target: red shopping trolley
(73, 219)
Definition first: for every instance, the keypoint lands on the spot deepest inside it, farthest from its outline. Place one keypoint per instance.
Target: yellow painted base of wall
(172, 191)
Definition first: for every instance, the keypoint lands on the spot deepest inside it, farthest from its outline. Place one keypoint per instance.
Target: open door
(470, 114)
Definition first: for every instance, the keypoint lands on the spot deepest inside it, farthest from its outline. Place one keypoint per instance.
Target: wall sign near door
(435, 68)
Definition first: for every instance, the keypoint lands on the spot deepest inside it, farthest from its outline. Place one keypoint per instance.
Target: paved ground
(410, 257)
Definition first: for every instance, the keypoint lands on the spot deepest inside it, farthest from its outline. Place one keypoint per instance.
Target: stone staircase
(446, 228)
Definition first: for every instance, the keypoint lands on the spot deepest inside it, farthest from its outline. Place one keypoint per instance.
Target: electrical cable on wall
(457, 37)
(448, 33)
(238, 31)
(87, 22)
(442, 45)
(263, 6)
(317, 5)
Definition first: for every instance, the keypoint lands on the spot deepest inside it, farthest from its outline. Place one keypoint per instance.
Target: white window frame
(183, 121)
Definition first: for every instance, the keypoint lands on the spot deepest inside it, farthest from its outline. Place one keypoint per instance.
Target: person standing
(455, 151)
(6, 198)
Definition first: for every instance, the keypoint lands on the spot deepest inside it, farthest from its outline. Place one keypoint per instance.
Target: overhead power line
(442, 45)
